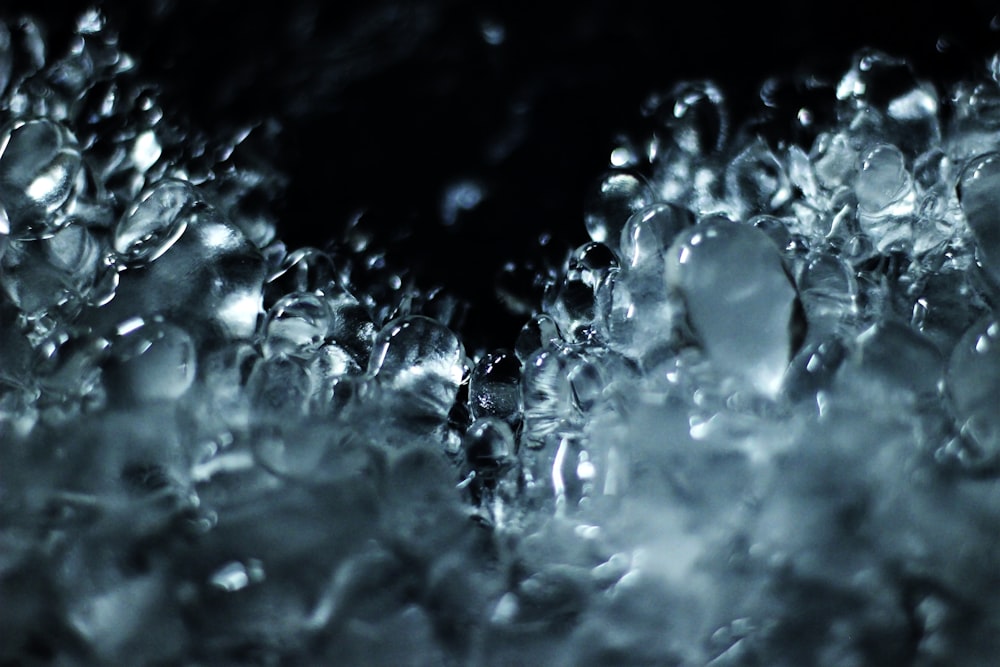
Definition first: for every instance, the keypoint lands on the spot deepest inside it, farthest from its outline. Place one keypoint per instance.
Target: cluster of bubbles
(753, 422)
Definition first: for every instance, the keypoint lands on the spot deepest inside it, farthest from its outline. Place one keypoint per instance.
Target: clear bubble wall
(754, 421)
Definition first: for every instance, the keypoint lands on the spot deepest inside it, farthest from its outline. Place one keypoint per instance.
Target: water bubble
(39, 164)
(980, 199)
(235, 576)
(459, 198)
(150, 360)
(495, 388)
(488, 447)
(647, 235)
(739, 300)
(756, 181)
(945, 306)
(280, 385)
(883, 179)
(538, 332)
(421, 360)
(611, 202)
(547, 395)
(834, 160)
(709, 440)
(69, 371)
(828, 291)
(296, 325)
(36, 286)
(211, 274)
(882, 93)
(892, 353)
(642, 316)
(351, 326)
(814, 369)
(694, 112)
(154, 223)
(520, 286)
(571, 304)
(972, 380)
(591, 263)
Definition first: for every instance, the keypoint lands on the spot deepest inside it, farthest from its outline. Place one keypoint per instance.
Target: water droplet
(280, 385)
(883, 179)
(572, 305)
(69, 369)
(494, 32)
(696, 116)
(211, 276)
(642, 316)
(885, 94)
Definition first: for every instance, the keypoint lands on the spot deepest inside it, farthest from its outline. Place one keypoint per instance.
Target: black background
(384, 104)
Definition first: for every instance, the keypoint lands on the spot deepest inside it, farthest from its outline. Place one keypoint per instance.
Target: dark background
(383, 105)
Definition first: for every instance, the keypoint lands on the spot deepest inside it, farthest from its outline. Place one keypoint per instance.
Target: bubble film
(752, 421)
